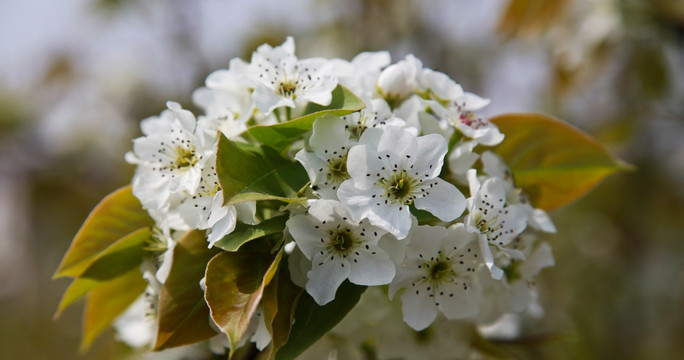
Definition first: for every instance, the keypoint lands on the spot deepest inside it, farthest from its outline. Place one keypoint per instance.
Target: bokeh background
(77, 76)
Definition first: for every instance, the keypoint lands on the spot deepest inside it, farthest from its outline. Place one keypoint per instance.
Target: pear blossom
(393, 169)
(460, 113)
(339, 249)
(360, 75)
(376, 114)
(281, 78)
(496, 222)
(493, 165)
(327, 164)
(170, 156)
(437, 274)
(397, 81)
(516, 291)
(205, 209)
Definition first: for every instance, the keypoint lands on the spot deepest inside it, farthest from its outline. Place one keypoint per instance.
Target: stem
(288, 113)
(301, 191)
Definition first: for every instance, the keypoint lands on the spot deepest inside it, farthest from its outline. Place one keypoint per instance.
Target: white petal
(425, 240)
(430, 154)
(540, 220)
(313, 165)
(222, 227)
(444, 200)
(363, 166)
(266, 99)
(261, 337)
(397, 142)
(397, 80)
(541, 258)
(459, 306)
(246, 212)
(371, 137)
(519, 296)
(441, 84)
(328, 134)
(371, 267)
(472, 102)
(488, 258)
(419, 309)
(320, 92)
(325, 277)
(298, 265)
(307, 237)
(372, 60)
(462, 157)
(488, 135)
(473, 182)
(390, 218)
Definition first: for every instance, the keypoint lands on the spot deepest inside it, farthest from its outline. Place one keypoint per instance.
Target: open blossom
(437, 275)
(205, 209)
(339, 248)
(170, 156)
(460, 113)
(281, 79)
(361, 73)
(327, 164)
(492, 165)
(496, 222)
(376, 114)
(397, 81)
(393, 169)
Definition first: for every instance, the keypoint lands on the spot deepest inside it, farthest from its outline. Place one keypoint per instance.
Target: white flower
(327, 164)
(281, 78)
(205, 209)
(496, 222)
(437, 274)
(226, 100)
(460, 114)
(361, 74)
(170, 157)
(438, 86)
(462, 159)
(393, 169)
(135, 326)
(339, 249)
(493, 165)
(376, 114)
(397, 81)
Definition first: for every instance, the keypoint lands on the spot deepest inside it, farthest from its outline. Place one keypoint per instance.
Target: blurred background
(77, 76)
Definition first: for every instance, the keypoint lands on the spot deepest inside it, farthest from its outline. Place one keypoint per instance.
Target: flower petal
(418, 307)
(325, 277)
(371, 267)
(444, 200)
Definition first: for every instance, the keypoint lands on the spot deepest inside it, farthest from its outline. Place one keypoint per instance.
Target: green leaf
(244, 233)
(249, 170)
(76, 290)
(183, 313)
(312, 321)
(118, 258)
(279, 301)
(280, 136)
(116, 216)
(235, 284)
(107, 301)
(552, 161)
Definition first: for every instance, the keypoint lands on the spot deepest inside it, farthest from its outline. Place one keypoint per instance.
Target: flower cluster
(402, 192)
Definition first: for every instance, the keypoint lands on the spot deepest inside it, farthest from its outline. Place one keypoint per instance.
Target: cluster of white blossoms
(402, 193)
